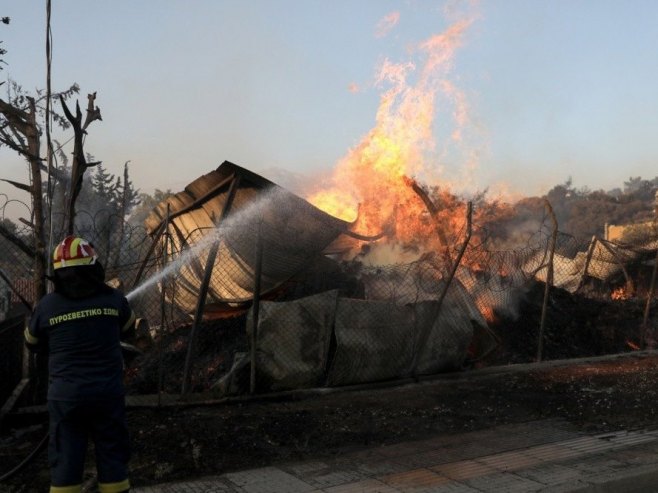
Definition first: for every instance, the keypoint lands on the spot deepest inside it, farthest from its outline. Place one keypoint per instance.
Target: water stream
(245, 217)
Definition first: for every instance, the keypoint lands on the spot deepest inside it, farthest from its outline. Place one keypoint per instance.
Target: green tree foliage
(580, 212)
(103, 206)
(146, 203)
(126, 195)
(640, 234)
(20, 99)
(103, 186)
(21, 129)
(104, 192)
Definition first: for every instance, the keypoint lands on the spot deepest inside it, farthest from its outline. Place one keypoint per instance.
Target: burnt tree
(19, 131)
(80, 164)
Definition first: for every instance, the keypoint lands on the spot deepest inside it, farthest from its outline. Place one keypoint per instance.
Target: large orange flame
(371, 182)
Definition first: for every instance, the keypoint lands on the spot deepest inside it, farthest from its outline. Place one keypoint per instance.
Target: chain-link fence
(339, 322)
(280, 315)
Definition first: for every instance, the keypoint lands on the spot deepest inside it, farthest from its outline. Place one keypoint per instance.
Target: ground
(595, 395)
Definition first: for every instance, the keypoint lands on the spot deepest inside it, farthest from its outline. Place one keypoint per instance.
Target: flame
(619, 294)
(487, 312)
(372, 178)
(633, 346)
(338, 203)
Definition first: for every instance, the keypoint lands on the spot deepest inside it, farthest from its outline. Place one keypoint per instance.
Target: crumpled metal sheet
(293, 233)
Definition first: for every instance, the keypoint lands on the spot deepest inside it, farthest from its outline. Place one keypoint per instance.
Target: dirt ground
(617, 392)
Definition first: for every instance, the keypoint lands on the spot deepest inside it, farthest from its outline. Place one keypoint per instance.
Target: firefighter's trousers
(72, 425)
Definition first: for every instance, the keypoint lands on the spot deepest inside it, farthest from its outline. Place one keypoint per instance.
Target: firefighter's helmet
(72, 252)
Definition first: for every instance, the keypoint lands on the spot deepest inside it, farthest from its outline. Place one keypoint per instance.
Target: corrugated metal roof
(293, 233)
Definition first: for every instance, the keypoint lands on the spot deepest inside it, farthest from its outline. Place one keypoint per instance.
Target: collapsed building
(605, 259)
(243, 245)
(289, 301)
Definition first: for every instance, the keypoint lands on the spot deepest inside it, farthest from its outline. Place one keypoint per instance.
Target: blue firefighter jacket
(84, 343)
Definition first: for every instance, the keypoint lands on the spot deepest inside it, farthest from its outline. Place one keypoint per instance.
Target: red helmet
(73, 251)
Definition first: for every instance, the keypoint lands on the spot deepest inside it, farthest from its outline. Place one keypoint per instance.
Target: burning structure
(372, 277)
(300, 298)
(318, 314)
(218, 219)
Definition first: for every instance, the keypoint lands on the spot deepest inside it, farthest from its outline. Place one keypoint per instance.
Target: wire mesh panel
(281, 314)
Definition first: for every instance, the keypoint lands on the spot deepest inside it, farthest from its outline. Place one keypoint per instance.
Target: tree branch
(15, 116)
(93, 112)
(9, 141)
(22, 186)
(431, 208)
(79, 165)
(67, 112)
(58, 173)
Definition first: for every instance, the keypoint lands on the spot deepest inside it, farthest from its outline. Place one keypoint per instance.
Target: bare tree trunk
(21, 133)
(80, 163)
(40, 259)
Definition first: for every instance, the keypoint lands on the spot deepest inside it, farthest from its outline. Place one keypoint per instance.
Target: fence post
(425, 333)
(647, 307)
(256, 305)
(629, 282)
(549, 282)
(588, 259)
(203, 292)
(165, 249)
(652, 286)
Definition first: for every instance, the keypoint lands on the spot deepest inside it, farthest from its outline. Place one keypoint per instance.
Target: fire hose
(30, 457)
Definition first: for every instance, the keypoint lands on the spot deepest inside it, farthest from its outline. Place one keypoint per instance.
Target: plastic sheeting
(293, 341)
(374, 340)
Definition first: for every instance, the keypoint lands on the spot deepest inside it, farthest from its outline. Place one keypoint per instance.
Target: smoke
(386, 24)
(388, 254)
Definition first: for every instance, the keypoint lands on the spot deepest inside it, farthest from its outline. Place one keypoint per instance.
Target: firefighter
(81, 324)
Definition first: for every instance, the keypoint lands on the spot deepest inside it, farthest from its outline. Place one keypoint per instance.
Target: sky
(542, 92)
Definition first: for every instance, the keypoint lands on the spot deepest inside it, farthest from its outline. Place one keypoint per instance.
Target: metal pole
(652, 286)
(588, 259)
(425, 333)
(630, 288)
(549, 282)
(256, 306)
(203, 291)
(162, 308)
(48, 117)
(647, 307)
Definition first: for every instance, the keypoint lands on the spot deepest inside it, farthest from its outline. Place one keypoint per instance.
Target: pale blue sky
(555, 89)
